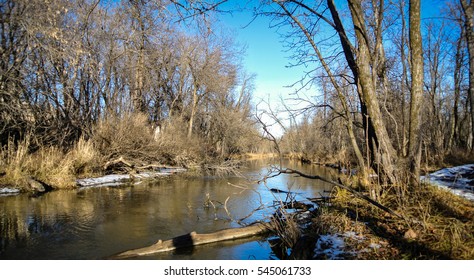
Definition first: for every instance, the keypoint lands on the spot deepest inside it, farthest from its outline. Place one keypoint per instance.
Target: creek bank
(434, 223)
(32, 186)
(37, 187)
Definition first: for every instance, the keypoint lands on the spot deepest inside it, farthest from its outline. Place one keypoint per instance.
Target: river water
(95, 223)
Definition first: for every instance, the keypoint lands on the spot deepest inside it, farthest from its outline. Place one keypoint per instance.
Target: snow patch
(375, 246)
(8, 191)
(331, 246)
(459, 180)
(120, 179)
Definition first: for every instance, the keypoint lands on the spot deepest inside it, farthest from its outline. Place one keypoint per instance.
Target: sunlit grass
(441, 224)
(49, 165)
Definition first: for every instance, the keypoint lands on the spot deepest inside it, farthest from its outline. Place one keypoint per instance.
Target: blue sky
(267, 57)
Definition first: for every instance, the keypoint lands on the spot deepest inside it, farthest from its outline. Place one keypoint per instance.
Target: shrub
(129, 137)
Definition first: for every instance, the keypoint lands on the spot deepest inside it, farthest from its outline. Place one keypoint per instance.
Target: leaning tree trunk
(383, 154)
(364, 179)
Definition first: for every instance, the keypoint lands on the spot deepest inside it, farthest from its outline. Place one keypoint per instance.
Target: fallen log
(119, 164)
(194, 239)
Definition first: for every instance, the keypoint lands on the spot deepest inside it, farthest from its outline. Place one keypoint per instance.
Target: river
(95, 223)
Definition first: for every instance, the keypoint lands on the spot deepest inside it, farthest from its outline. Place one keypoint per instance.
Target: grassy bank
(50, 165)
(435, 224)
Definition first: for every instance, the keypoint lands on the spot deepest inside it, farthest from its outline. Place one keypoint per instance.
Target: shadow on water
(98, 222)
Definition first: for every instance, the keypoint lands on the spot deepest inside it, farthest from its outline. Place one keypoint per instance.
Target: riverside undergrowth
(436, 225)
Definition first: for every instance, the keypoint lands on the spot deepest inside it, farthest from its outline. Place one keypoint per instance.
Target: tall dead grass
(49, 165)
(179, 149)
(129, 137)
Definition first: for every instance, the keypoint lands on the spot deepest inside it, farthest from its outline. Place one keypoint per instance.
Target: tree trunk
(414, 130)
(138, 98)
(454, 130)
(348, 117)
(383, 154)
(468, 10)
(404, 84)
(193, 111)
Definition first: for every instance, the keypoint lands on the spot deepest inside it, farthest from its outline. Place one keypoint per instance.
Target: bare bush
(175, 147)
(129, 136)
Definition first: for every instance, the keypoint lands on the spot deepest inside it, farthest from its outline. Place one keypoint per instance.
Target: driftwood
(194, 239)
(119, 164)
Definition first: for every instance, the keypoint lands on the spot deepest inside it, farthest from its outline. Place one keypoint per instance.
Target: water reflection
(98, 222)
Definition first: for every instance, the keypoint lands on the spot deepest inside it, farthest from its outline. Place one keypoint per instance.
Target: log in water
(194, 239)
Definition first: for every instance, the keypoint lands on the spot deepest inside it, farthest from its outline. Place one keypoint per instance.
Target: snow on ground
(458, 179)
(331, 246)
(8, 191)
(334, 247)
(114, 180)
(120, 179)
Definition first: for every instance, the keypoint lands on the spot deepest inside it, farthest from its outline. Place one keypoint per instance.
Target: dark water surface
(95, 223)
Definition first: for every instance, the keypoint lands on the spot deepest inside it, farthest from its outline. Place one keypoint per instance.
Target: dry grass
(13, 160)
(436, 224)
(84, 158)
(51, 166)
(286, 227)
(176, 148)
(129, 137)
(48, 164)
(446, 222)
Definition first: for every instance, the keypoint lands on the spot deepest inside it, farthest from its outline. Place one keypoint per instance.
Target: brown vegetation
(120, 80)
(436, 225)
(50, 165)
